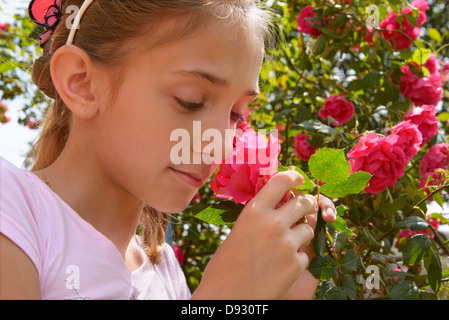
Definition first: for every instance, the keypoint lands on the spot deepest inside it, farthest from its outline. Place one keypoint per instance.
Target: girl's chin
(174, 206)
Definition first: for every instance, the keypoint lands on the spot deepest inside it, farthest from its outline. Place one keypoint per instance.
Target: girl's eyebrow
(215, 80)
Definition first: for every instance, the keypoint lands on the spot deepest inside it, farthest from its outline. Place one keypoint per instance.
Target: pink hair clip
(46, 13)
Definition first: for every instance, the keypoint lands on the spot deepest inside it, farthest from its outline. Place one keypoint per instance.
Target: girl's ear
(72, 72)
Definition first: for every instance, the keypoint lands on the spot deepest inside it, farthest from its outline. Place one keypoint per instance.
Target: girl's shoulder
(23, 217)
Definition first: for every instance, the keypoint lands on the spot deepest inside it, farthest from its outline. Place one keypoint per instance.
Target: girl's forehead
(218, 46)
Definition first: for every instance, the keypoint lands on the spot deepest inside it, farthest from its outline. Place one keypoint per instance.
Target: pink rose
(3, 28)
(179, 255)
(251, 166)
(410, 138)
(382, 157)
(306, 20)
(437, 157)
(434, 179)
(302, 148)
(421, 90)
(396, 39)
(433, 64)
(426, 120)
(338, 108)
(244, 125)
(445, 71)
(33, 124)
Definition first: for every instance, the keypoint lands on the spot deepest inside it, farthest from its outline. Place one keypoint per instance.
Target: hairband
(48, 14)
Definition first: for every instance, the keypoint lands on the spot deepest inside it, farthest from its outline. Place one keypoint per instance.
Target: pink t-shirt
(73, 259)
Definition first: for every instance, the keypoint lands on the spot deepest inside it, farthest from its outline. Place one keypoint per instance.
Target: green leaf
(335, 293)
(319, 45)
(420, 56)
(349, 287)
(443, 116)
(370, 238)
(405, 290)
(435, 271)
(340, 225)
(323, 267)
(355, 183)
(221, 213)
(350, 260)
(416, 249)
(319, 243)
(371, 79)
(413, 223)
(434, 34)
(329, 165)
(317, 126)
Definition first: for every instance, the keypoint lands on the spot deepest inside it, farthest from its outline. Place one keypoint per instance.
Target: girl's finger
(328, 211)
(273, 192)
(297, 208)
(303, 234)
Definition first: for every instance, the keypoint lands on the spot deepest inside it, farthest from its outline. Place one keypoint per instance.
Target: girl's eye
(190, 106)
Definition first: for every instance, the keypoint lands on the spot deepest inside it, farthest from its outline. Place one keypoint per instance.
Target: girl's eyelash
(190, 106)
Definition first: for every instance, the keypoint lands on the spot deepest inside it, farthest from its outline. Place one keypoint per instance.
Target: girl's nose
(212, 142)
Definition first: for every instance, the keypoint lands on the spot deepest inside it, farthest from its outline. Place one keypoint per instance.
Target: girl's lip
(188, 178)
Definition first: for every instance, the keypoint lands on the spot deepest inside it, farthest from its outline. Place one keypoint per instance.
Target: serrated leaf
(416, 249)
(323, 267)
(355, 183)
(329, 166)
(221, 213)
(420, 56)
(413, 223)
(335, 293)
(434, 34)
(435, 271)
(349, 287)
(317, 126)
(405, 290)
(350, 260)
(340, 225)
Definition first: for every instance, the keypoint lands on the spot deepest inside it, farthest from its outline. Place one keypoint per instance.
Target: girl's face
(215, 74)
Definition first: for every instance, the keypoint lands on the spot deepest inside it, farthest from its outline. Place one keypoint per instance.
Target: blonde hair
(107, 34)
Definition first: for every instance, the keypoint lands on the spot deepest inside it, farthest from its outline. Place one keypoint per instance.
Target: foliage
(18, 49)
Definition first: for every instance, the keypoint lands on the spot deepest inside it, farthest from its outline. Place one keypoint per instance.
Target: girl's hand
(260, 258)
(305, 285)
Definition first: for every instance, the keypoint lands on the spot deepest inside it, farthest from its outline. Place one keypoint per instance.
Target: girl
(123, 76)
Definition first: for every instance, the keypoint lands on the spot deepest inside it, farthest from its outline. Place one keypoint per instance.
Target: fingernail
(331, 212)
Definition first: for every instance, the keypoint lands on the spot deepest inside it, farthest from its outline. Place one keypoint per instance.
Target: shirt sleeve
(17, 212)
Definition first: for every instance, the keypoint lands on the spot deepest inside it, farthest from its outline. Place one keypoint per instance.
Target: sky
(14, 138)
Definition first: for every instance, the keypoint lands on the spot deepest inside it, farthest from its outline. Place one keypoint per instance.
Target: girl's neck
(98, 200)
